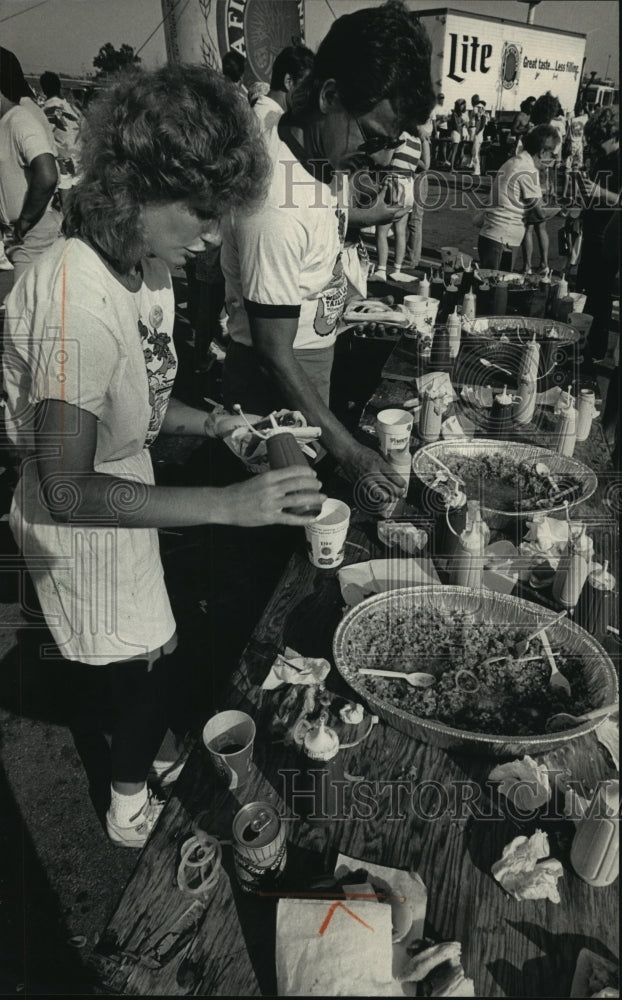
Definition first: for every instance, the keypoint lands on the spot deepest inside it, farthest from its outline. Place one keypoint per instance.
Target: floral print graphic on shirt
(332, 300)
(161, 367)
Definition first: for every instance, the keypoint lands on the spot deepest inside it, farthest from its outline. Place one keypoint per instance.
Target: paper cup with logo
(394, 428)
(326, 536)
(229, 738)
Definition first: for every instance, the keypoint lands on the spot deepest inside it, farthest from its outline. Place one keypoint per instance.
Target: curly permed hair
(373, 54)
(545, 109)
(177, 134)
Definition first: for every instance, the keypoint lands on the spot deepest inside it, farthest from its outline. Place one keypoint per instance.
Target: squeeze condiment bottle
(453, 523)
(437, 286)
(469, 305)
(562, 287)
(596, 603)
(424, 286)
(327, 779)
(530, 360)
(501, 413)
(566, 434)
(467, 569)
(283, 451)
(454, 331)
(563, 307)
(525, 403)
(573, 567)
(440, 346)
(595, 849)
(586, 411)
(431, 416)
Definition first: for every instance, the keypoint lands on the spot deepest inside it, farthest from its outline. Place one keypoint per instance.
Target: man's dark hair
(374, 54)
(295, 61)
(50, 84)
(527, 104)
(233, 65)
(535, 141)
(12, 81)
(545, 109)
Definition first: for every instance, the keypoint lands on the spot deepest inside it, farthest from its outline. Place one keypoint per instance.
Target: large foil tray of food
(519, 329)
(512, 479)
(497, 709)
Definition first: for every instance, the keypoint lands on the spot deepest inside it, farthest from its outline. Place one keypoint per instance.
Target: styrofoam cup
(326, 536)
(394, 428)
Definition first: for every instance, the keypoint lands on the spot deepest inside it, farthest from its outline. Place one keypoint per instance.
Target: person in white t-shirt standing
(516, 193)
(88, 367)
(28, 174)
(290, 67)
(286, 289)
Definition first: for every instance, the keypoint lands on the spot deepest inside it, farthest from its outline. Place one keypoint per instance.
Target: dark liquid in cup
(228, 748)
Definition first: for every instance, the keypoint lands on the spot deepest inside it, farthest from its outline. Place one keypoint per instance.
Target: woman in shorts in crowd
(458, 122)
(89, 364)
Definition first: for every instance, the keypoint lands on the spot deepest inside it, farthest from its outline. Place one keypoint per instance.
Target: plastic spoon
(522, 646)
(491, 364)
(418, 680)
(564, 720)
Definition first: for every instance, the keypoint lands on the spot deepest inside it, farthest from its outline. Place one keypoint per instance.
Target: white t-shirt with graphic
(74, 333)
(284, 259)
(516, 189)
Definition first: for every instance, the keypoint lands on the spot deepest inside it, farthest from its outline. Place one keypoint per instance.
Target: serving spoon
(416, 679)
(564, 720)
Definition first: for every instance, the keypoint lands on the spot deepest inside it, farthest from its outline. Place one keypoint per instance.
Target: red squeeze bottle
(283, 451)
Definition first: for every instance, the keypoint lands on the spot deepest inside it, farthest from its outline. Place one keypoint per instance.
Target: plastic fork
(418, 680)
(557, 681)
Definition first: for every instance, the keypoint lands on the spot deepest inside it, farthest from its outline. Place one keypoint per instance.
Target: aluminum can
(259, 847)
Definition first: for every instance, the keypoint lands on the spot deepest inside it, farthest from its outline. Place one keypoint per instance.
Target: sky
(65, 35)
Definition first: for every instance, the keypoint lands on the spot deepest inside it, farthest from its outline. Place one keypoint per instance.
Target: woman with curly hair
(89, 366)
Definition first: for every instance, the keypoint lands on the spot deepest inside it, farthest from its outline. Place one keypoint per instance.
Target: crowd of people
(261, 194)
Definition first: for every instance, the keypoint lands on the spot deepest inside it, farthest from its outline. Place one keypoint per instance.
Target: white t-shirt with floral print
(74, 333)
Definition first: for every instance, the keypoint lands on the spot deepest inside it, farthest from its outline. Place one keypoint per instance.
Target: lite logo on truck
(470, 45)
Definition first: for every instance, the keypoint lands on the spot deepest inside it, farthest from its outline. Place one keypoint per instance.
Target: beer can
(259, 847)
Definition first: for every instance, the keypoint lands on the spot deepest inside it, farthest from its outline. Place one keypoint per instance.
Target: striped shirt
(407, 156)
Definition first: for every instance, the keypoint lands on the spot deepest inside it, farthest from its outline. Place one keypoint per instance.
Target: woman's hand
(262, 499)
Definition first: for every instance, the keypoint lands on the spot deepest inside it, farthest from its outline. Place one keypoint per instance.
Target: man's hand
(376, 484)
(20, 228)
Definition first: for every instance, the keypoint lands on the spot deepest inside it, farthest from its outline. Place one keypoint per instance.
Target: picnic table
(158, 942)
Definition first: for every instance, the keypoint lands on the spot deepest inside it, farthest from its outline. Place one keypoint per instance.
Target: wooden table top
(509, 948)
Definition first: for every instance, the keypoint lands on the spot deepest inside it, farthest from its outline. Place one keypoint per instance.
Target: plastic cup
(229, 738)
(581, 322)
(422, 310)
(326, 536)
(394, 428)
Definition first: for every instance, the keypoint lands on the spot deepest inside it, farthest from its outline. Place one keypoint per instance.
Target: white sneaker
(380, 274)
(140, 827)
(400, 276)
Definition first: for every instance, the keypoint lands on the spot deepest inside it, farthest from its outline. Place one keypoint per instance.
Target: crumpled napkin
(442, 386)
(525, 870)
(548, 532)
(479, 396)
(407, 537)
(524, 782)
(292, 668)
(376, 576)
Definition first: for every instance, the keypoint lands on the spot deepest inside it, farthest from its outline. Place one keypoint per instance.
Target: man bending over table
(286, 288)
